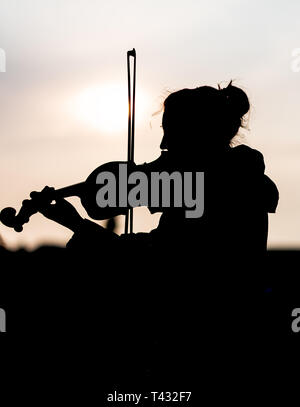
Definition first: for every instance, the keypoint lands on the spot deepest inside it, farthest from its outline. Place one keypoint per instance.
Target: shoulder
(248, 157)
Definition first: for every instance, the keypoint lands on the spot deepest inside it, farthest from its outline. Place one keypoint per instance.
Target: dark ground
(108, 323)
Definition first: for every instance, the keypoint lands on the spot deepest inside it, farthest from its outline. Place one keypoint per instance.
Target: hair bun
(236, 98)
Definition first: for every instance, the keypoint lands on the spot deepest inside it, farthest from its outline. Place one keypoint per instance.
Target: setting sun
(106, 107)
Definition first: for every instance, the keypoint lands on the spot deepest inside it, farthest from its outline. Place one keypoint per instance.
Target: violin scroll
(10, 218)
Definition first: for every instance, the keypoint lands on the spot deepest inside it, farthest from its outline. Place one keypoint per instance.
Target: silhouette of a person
(199, 126)
(169, 298)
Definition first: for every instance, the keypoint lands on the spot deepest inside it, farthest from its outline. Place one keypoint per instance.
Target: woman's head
(203, 117)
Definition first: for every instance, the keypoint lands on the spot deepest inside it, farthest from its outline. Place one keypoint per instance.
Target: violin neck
(71, 190)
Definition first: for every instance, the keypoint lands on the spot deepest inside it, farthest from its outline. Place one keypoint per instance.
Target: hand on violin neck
(61, 211)
(45, 197)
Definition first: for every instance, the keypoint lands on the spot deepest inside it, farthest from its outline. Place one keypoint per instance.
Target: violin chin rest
(7, 217)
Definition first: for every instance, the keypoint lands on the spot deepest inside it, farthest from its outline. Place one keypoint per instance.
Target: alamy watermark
(2, 320)
(295, 64)
(2, 60)
(155, 190)
(296, 320)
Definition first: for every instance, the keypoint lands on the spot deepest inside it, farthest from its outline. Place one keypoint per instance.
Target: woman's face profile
(170, 125)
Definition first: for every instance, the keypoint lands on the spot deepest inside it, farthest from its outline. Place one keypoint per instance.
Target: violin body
(91, 187)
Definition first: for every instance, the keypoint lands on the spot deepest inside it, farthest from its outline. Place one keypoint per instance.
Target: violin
(86, 190)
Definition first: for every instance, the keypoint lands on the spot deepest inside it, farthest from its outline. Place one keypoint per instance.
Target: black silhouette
(155, 304)
(199, 125)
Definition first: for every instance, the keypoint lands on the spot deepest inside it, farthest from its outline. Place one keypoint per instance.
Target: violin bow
(131, 122)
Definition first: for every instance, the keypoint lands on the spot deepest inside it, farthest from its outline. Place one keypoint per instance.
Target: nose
(164, 142)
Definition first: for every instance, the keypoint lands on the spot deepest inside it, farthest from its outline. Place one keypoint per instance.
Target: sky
(63, 101)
